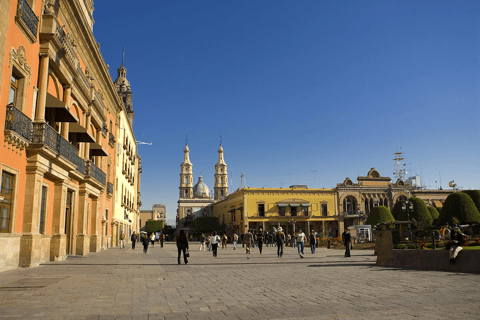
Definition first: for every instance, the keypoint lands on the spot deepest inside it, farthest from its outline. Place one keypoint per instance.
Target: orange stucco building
(61, 112)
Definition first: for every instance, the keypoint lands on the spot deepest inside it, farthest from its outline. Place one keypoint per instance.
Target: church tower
(186, 176)
(123, 89)
(221, 177)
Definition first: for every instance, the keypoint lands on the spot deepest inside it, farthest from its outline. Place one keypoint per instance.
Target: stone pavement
(128, 284)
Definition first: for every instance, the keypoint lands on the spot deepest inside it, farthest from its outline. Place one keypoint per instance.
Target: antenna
(399, 171)
(440, 176)
(123, 56)
(220, 140)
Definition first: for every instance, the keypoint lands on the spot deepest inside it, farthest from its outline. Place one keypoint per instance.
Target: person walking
(260, 240)
(289, 240)
(152, 239)
(235, 240)
(182, 245)
(122, 240)
(224, 241)
(133, 238)
(248, 242)
(301, 242)
(214, 240)
(313, 241)
(294, 240)
(347, 241)
(209, 242)
(202, 242)
(162, 238)
(280, 239)
(145, 241)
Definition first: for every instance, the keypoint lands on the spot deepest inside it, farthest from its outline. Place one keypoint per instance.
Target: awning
(80, 132)
(96, 150)
(282, 204)
(60, 111)
(239, 208)
(294, 204)
(437, 204)
(305, 204)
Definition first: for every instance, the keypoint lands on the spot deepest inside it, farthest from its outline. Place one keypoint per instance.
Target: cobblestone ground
(128, 284)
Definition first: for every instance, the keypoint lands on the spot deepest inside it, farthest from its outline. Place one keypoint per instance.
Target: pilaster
(83, 239)
(58, 242)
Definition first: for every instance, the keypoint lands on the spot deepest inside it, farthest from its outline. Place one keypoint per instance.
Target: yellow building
(295, 208)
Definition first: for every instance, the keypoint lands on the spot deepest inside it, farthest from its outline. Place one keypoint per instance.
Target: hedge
(379, 214)
(458, 208)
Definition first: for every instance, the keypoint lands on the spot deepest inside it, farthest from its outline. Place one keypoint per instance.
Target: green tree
(205, 224)
(420, 213)
(152, 226)
(434, 213)
(379, 214)
(475, 195)
(458, 208)
(397, 209)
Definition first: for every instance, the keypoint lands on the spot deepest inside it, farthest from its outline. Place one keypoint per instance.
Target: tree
(420, 213)
(458, 208)
(205, 224)
(475, 195)
(434, 213)
(379, 214)
(397, 209)
(152, 226)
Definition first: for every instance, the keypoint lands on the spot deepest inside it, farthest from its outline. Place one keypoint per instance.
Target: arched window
(350, 205)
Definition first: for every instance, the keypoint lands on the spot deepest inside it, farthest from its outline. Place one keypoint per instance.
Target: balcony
(96, 173)
(46, 136)
(109, 188)
(18, 128)
(111, 140)
(104, 128)
(27, 19)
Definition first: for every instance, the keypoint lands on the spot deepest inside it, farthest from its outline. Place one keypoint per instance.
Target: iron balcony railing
(111, 139)
(109, 188)
(25, 12)
(96, 173)
(104, 128)
(16, 121)
(46, 135)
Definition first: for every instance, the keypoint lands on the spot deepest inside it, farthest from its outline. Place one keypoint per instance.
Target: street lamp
(407, 207)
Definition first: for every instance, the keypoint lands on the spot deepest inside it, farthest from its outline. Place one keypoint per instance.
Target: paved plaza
(128, 284)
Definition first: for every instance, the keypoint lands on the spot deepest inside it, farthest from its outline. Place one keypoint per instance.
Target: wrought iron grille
(28, 16)
(111, 139)
(97, 174)
(16, 121)
(109, 188)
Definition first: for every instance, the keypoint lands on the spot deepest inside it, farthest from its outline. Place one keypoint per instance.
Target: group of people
(143, 238)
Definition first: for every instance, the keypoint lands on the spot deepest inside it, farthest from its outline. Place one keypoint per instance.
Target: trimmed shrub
(152, 226)
(205, 224)
(458, 208)
(475, 195)
(379, 214)
(439, 209)
(420, 213)
(434, 213)
(397, 209)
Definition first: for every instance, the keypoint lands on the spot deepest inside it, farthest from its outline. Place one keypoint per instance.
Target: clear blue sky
(298, 86)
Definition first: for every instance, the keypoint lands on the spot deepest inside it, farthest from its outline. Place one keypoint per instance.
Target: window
(305, 211)
(324, 209)
(6, 192)
(281, 211)
(261, 210)
(43, 208)
(186, 193)
(293, 211)
(12, 97)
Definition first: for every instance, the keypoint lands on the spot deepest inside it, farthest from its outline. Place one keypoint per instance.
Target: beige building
(158, 213)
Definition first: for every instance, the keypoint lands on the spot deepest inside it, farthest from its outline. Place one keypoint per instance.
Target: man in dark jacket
(280, 237)
(133, 238)
(347, 241)
(182, 245)
(260, 240)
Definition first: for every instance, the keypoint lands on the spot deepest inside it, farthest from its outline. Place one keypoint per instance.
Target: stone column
(82, 246)
(58, 243)
(66, 98)
(42, 87)
(31, 240)
(95, 237)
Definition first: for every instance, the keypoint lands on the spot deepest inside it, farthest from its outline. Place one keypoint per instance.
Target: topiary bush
(379, 214)
(458, 208)
(434, 213)
(397, 209)
(475, 195)
(420, 213)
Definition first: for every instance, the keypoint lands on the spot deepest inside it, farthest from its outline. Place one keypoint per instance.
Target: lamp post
(407, 207)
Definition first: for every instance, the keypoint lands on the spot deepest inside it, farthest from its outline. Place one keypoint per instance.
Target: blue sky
(300, 91)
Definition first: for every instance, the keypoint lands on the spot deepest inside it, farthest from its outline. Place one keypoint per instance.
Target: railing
(16, 121)
(67, 46)
(96, 173)
(44, 134)
(104, 128)
(109, 188)
(28, 16)
(111, 139)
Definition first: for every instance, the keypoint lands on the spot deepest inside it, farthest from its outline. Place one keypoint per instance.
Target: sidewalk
(128, 284)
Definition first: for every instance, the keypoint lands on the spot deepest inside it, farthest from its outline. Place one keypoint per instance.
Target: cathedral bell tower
(124, 92)
(221, 177)
(186, 176)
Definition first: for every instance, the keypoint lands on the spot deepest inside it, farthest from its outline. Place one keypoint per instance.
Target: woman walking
(214, 239)
(202, 243)
(182, 245)
(145, 240)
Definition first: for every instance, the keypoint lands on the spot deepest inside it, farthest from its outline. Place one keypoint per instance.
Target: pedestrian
(347, 241)
(313, 241)
(133, 238)
(456, 236)
(260, 240)
(182, 245)
(152, 239)
(248, 241)
(209, 242)
(242, 238)
(301, 242)
(214, 241)
(145, 241)
(289, 240)
(224, 241)
(294, 240)
(162, 239)
(235, 240)
(202, 242)
(280, 239)
(122, 240)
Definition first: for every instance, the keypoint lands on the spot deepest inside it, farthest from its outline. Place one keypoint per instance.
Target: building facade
(62, 115)
(158, 213)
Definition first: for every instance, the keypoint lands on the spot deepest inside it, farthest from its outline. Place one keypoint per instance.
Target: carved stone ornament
(50, 7)
(19, 58)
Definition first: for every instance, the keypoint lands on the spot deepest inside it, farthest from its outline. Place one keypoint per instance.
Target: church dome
(200, 190)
